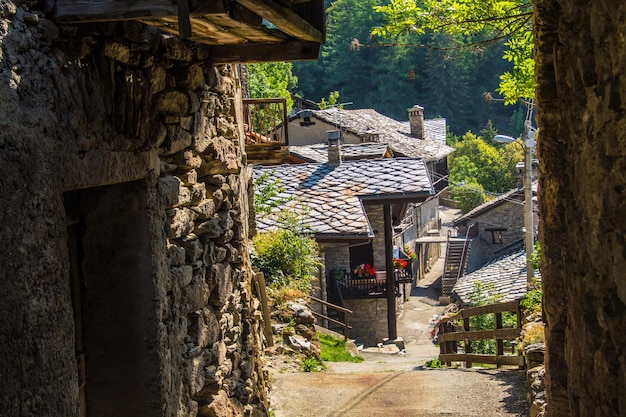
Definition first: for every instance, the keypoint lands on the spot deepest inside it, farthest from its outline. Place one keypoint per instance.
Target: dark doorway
(361, 254)
(113, 300)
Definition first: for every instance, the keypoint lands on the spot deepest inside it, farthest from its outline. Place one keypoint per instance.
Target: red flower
(364, 270)
(399, 263)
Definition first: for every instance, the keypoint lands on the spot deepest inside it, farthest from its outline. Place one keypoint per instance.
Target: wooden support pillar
(391, 285)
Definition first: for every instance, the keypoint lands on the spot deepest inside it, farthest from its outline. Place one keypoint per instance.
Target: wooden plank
(505, 334)
(184, 24)
(244, 30)
(103, 10)
(486, 309)
(106, 10)
(288, 51)
(284, 19)
(480, 358)
(259, 281)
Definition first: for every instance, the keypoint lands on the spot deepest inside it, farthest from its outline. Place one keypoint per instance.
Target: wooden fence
(450, 334)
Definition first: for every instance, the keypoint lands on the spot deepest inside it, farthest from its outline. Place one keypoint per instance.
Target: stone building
(496, 228)
(343, 204)
(126, 283)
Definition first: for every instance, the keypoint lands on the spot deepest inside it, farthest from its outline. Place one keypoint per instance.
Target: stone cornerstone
(125, 276)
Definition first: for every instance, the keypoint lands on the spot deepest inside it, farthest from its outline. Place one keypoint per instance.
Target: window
(496, 234)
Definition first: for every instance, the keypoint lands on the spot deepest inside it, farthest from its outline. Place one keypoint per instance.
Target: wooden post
(184, 24)
(259, 282)
(466, 341)
(499, 342)
(392, 330)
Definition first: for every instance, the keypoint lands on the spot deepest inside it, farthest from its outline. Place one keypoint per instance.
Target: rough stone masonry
(124, 225)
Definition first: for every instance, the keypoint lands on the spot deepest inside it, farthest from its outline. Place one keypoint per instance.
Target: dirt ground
(399, 384)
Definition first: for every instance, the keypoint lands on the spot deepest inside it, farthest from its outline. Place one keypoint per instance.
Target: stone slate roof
(396, 134)
(329, 198)
(507, 275)
(515, 196)
(319, 152)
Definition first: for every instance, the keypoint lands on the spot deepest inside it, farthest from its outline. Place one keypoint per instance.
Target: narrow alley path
(399, 384)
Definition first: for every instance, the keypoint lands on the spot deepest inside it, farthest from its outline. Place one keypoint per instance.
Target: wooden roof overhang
(399, 202)
(235, 30)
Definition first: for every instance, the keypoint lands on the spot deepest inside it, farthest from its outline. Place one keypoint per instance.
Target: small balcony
(353, 285)
(265, 126)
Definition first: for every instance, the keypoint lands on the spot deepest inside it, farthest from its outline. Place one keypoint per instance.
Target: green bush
(311, 365)
(532, 300)
(287, 256)
(468, 196)
(433, 363)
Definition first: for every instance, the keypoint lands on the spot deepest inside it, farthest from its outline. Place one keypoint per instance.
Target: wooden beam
(106, 10)
(184, 24)
(288, 51)
(481, 358)
(284, 19)
(392, 330)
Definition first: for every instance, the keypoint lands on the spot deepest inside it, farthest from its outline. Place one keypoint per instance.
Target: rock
(299, 343)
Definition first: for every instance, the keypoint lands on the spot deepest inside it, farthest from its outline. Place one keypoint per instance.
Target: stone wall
(508, 215)
(376, 218)
(580, 57)
(124, 214)
(369, 321)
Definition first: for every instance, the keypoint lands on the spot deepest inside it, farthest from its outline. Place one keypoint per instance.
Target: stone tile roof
(396, 134)
(329, 198)
(319, 152)
(515, 196)
(506, 275)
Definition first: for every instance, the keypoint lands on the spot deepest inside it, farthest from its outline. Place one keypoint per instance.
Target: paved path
(400, 385)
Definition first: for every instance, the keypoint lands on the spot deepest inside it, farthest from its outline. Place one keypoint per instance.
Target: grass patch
(311, 365)
(334, 350)
(433, 363)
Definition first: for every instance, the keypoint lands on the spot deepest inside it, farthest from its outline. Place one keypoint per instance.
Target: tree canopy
(473, 23)
(446, 80)
(272, 79)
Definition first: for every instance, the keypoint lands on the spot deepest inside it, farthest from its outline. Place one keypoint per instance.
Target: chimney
(334, 147)
(416, 120)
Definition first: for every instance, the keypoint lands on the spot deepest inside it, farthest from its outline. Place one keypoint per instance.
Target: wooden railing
(265, 121)
(451, 334)
(346, 314)
(354, 286)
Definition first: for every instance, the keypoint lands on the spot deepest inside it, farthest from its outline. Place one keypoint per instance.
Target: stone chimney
(334, 146)
(416, 120)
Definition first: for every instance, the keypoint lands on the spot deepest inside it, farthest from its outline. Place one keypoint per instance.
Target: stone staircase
(455, 263)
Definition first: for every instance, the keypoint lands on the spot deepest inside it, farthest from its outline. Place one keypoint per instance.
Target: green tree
(476, 22)
(469, 195)
(494, 168)
(273, 79)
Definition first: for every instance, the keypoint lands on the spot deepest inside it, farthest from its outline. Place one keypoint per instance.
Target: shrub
(532, 300)
(287, 256)
(469, 196)
(311, 365)
(433, 363)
